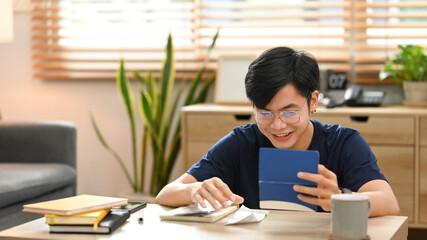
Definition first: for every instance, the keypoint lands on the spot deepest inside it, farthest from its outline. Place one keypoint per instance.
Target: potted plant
(157, 108)
(410, 68)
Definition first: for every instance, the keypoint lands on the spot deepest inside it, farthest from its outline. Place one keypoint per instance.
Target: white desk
(276, 225)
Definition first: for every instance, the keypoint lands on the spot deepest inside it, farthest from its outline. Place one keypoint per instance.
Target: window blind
(75, 39)
(319, 27)
(379, 27)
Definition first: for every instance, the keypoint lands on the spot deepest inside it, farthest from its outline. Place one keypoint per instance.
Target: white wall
(24, 98)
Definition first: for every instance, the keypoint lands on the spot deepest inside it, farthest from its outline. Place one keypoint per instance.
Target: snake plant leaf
(145, 109)
(198, 78)
(141, 79)
(125, 93)
(168, 72)
(168, 79)
(204, 90)
(153, 92)
(114, 153)
(176, 100)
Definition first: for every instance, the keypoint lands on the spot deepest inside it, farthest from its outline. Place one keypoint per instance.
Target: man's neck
(307, 137)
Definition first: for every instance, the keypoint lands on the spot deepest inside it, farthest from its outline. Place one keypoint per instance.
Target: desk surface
(276, 225)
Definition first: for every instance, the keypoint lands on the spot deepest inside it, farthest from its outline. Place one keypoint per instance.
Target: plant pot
(415, 93)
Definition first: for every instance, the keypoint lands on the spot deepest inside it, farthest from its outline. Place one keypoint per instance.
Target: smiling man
(281, 84)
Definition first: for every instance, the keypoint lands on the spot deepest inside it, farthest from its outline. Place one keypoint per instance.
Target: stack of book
(81, 214)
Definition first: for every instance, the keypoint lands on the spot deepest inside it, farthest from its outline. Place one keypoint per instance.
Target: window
(379, 27)
(85, 39)
(76, 39)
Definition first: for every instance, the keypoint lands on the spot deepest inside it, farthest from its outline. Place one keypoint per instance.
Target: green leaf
(114, 153)
(168, 74)
(139, 77)
(195, 82)
(125, 93)
(409, 64)
(147, 116)
(204, 91)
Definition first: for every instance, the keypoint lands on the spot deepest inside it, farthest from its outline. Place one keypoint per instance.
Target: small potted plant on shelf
(409, 67)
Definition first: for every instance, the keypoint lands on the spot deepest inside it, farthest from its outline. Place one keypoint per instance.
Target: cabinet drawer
(213, 127)
(397, 164)
(377, 129)
(423, 130)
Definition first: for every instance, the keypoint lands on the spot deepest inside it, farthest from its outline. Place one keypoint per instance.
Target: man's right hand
(187, 190)
(213, 190)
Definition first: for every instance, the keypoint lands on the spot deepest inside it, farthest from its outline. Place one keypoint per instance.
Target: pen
(141, 216)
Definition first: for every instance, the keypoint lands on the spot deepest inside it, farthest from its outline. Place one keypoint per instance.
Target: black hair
(277, 67)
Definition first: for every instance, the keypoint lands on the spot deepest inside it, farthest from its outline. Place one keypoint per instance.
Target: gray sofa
(37, 163)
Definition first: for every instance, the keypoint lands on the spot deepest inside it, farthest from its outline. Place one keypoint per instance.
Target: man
(281, 83)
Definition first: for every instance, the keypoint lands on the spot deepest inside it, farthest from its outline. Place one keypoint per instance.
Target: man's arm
(187, 190)
(381, 196)
(177, 193)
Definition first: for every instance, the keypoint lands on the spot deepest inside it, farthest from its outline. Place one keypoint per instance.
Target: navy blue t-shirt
(234, 159)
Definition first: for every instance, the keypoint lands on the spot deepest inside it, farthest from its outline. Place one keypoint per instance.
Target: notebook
(278, 169)
(110, 223)
(195, 213)
(74, 205)
(87, 218)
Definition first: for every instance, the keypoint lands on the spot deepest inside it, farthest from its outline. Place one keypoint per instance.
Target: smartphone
(131, 207)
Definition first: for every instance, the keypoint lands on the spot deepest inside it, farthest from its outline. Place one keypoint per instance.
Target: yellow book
(88, 218)
(74, 205)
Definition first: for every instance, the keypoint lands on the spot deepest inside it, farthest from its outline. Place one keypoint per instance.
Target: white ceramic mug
(350, 213)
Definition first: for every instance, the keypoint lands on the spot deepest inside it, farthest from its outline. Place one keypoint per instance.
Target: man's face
(293, 135)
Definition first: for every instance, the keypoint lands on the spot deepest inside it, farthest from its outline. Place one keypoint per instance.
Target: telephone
(355, 96)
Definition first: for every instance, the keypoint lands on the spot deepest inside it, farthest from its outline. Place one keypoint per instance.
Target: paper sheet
(194, 209)
(247, 215)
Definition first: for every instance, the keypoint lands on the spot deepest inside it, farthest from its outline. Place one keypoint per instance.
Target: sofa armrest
(38, 142)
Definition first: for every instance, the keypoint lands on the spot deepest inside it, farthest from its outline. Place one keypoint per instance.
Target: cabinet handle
(359, 118)
(242, 117)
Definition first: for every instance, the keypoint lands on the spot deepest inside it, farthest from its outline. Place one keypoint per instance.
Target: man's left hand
(327, 185)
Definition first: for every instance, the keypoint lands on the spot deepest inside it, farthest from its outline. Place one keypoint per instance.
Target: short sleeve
(219, 161)
(360, 164)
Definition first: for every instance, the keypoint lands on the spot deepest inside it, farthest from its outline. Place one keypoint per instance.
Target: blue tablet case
(278, 170)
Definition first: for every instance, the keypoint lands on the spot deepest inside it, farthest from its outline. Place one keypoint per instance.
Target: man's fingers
(216, 192)
(307, 190)
(326, 172)
(323, 203)
(224, 193)
(314, 191)
(199, 199)
(209, 197)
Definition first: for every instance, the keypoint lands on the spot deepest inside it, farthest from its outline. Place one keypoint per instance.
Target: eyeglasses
(267, 117)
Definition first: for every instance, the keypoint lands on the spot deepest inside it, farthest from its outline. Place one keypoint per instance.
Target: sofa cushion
(23, 181)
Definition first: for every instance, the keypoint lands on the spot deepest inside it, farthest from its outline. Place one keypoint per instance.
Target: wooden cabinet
(392, 141)
(397, 164)
(397, 136)
(203, 125)
(423, 171)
